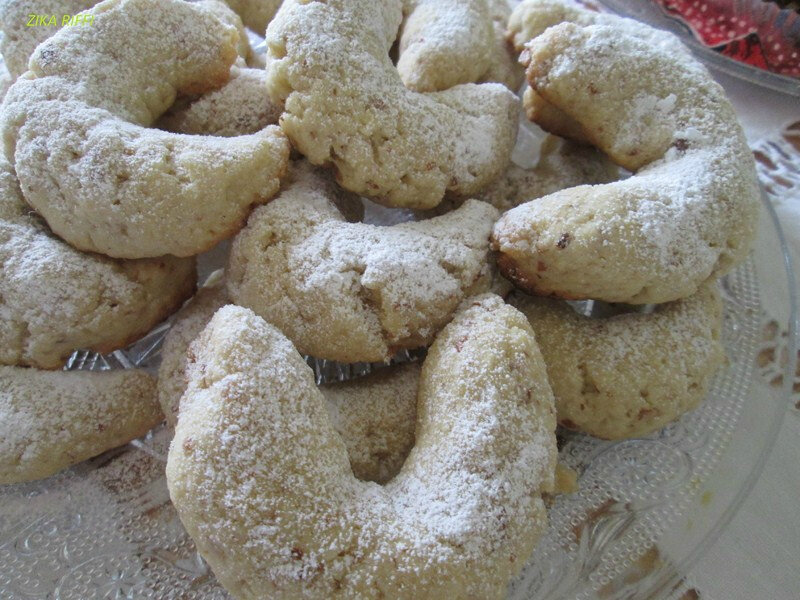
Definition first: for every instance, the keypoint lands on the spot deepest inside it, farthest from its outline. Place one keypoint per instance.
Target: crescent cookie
(628, 375)
(345, 104)
(459, 520)
(687, 214)
(353, 292)
(76, 129)
(20, 39)
(239, 107)
(225, 14)
(255, 14)
(374, 414)
(50, 420)
(55, 299)
(562, 164)
(530, 18)
(5, 80)
(503, 65)
(444, 43)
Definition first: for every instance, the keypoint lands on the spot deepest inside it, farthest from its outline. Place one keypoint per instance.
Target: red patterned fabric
(756, 32)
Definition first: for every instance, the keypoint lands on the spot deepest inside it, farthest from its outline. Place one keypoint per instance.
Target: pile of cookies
(149, 131)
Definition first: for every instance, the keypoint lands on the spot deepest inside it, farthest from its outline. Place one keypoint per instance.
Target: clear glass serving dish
(646, 508)
(645, 511)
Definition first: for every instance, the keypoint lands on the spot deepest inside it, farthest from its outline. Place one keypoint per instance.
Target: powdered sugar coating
(374, 414)
(263, 484)
(18, 39)
(225, 14)
(503, 65)
(443, 43)
(255, 14)
(239, 107)
(689, 212)
(346, 105)
(628, 375)
(562, 164)
(50, 420)
(55, 299)
(5, 80)
(76, 129)
(354, 292)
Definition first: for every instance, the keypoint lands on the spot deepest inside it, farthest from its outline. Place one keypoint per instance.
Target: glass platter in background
(646, 508)
(650, 13)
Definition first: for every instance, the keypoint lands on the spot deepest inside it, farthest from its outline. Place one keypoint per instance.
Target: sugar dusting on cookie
(56, 299)
(689, 211)
(263, 484)
(629, 374)
(50, 420)
(347, 106)
(356, 292)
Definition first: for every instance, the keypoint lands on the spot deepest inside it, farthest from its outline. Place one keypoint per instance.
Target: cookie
(225, 14)
(629, 374)
(459, 520)
(50, 420)
(76, 129)
(56, 299)
(443, 43)
(240, 107)
(255, 14)
(353, 292)
(503, 65)
(375, 415)
(689, 212)
(346, 105)
(562, 164)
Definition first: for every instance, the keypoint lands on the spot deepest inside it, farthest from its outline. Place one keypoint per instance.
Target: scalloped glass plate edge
(667, 580)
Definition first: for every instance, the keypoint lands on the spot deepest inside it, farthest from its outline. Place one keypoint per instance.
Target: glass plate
(646, 509)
